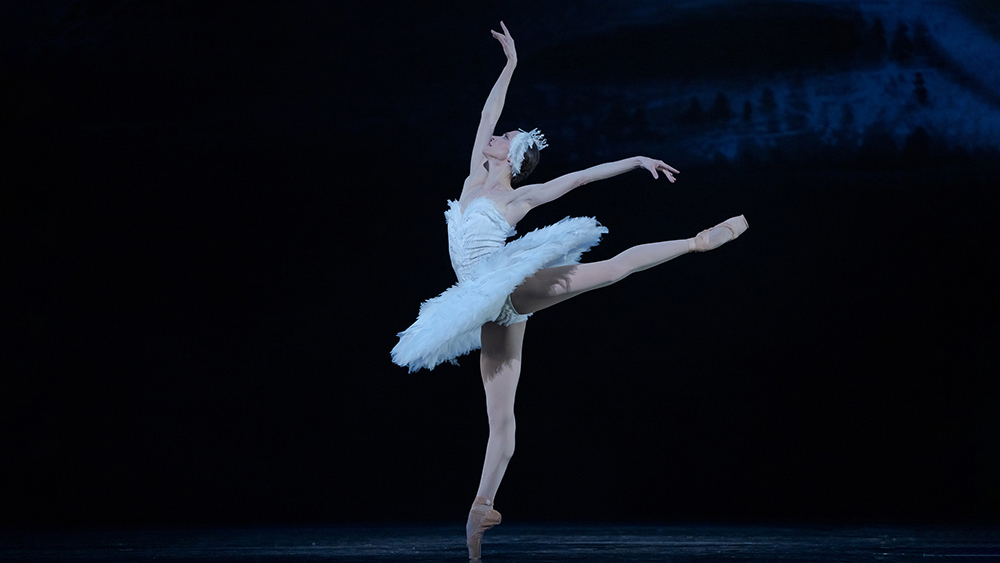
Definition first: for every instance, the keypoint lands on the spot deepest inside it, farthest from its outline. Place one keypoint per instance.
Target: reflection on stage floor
(523, 543)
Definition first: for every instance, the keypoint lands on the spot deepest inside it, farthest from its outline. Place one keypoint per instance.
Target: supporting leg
(500, 361)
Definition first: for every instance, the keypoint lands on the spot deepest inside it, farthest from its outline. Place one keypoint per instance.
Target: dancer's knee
(502, 430)
(618, 268)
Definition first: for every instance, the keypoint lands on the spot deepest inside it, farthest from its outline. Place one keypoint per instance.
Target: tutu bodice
(474, 235)
(488, 269)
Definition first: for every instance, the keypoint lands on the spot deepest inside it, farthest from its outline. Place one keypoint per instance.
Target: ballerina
(501, 284)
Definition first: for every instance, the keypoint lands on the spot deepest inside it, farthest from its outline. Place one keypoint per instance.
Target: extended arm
(492, 109)
(528, 197)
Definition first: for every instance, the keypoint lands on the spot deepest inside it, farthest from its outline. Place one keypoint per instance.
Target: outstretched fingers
(667, 170)
(657, 166)
(506, 41)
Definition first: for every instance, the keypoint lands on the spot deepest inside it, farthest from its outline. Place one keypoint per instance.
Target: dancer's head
(519, 149)
(524, 154)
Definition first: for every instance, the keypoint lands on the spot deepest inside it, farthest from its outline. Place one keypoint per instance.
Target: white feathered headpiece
(521, 143)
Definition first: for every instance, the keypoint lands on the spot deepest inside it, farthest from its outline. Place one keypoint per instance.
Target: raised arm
(491, 110)
(526, 198)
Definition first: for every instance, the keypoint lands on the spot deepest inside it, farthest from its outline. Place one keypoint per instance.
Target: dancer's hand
(658, 165)
(508, 43)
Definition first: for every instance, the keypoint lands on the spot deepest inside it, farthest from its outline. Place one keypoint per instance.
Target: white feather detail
(520, 145)
(448, 325)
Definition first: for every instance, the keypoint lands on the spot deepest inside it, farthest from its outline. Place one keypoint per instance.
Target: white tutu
(488, 271)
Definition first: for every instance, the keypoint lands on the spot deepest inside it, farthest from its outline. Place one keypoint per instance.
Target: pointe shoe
(482, 517)
(718, 235)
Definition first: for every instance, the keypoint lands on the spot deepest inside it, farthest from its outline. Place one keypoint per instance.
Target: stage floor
(523, 543)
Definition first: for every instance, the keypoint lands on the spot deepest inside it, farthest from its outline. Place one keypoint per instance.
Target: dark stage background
(217, 215)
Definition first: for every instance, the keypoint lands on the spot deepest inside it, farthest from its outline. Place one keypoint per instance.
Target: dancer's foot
(482, 517)
(718, 235)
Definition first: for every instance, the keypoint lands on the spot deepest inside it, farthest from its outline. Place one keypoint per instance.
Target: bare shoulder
(515, 204)
(522, 197)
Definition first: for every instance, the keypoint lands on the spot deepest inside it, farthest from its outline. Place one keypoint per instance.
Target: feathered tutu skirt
(448, 325)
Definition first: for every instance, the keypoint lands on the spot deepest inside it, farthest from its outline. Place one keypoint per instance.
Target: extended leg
(553, 285)
(500, 361)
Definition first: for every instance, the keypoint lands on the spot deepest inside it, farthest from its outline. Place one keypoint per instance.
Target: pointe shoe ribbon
(718, 235)
(482, 517)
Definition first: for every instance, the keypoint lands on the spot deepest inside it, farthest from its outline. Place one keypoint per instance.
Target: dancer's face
(499, 145)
